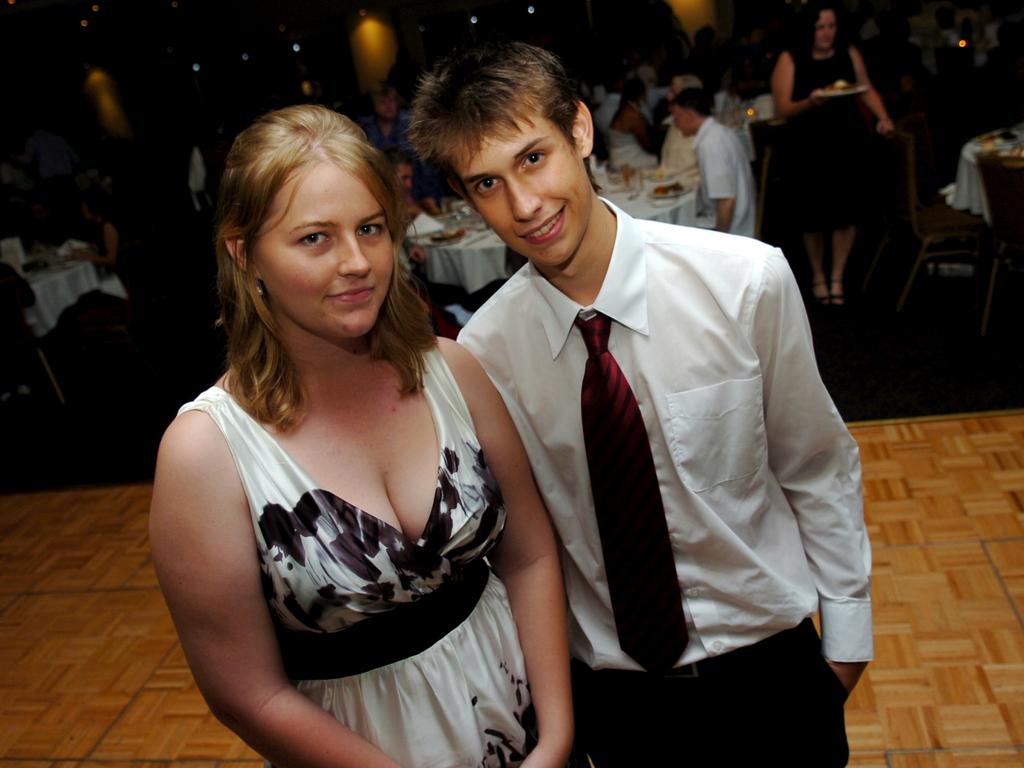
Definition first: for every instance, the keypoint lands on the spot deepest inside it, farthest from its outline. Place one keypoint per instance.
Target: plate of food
(657, 174)
(447, 236)
(667, 191)
(998, 140)
(842, 88)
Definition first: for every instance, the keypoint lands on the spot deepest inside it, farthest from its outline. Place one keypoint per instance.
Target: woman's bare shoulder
(193, 453)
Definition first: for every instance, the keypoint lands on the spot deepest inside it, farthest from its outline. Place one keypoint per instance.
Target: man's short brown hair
(485, 91)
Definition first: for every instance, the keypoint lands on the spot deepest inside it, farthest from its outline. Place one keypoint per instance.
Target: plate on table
(998, 140)
(831, 92)
(446, 236)
(658, 175)
(666, 192)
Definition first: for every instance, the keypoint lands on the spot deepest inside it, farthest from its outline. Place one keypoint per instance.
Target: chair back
(902, 187)
(1002, 180)
(916, 124)
(15, 295)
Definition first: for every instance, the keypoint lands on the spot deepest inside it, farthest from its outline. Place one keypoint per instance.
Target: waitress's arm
(870, 97)
(783, 78)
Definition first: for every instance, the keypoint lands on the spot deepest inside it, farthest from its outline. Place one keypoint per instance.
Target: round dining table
(478, 257)
(967, 193)
(59, 285)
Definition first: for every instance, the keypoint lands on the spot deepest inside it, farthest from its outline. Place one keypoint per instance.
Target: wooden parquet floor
(91, 673)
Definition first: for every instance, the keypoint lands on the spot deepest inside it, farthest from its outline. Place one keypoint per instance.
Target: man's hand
(848, 672)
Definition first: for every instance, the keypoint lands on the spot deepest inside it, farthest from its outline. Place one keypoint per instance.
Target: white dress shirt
(724, 172)
(759, 477)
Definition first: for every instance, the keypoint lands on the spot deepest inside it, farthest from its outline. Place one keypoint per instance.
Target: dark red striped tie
(638, 555)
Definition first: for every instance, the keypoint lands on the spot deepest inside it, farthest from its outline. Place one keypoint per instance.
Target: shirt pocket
(716, 433)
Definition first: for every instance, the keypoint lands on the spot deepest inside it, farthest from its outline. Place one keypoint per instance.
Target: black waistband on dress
(386, 637)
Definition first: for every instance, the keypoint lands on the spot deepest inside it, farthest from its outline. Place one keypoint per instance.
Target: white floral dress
(327, 565)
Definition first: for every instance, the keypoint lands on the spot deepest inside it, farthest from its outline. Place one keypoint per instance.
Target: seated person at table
(100, 230)
(677, 153)
(726, 197)
(388, 126)
(631, 138)
(329, 580)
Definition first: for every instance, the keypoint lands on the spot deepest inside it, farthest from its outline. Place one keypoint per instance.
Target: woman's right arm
(204, 552)
(783, 77)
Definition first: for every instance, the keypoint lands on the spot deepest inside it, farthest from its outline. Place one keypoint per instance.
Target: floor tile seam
(894, 421)
(951, 543)
(129, 704)
(97, 590)
(896, 751)
(1003, 585)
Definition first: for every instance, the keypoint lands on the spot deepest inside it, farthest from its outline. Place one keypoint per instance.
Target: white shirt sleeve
(817, 463)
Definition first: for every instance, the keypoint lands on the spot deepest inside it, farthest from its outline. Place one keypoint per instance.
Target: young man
(695, 556)
(727, 196)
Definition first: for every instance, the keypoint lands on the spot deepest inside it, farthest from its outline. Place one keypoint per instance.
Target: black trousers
(776, 702)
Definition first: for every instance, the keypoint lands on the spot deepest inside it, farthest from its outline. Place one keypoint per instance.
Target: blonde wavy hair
(263, 158)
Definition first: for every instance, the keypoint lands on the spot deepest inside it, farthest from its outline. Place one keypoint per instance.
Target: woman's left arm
(526, 560)
(871, 98)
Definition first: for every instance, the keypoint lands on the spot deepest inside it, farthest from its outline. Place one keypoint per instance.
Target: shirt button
(716, 646)
(693, 591)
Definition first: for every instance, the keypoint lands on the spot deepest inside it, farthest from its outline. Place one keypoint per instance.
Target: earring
(259, 287)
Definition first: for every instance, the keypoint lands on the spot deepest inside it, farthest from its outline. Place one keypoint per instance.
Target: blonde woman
(325, 516)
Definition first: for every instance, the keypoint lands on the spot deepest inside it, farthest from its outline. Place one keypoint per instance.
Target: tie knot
(595, 333)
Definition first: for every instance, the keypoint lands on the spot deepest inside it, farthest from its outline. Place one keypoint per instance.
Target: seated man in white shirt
(755, 510)
(726, 197)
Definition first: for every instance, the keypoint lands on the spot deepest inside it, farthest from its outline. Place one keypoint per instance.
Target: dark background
(125, 375)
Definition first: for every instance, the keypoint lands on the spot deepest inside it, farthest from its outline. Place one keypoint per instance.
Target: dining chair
(15, 330)
(765, 136)
(916, 124)
(1002, 180)
(941, 231)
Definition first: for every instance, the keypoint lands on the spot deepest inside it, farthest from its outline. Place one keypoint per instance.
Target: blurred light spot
(296, 47)
(195, 67)
(245, 57)
(472, 19)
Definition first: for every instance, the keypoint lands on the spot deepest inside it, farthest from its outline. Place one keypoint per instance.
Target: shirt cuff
(846, 630)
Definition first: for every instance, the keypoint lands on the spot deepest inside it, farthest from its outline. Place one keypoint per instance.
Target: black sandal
(838, 299)
(824, 299)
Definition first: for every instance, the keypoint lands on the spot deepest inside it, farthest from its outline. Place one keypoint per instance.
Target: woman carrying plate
(814, 86)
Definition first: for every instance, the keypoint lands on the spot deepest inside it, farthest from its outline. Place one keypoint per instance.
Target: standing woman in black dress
(827, 140)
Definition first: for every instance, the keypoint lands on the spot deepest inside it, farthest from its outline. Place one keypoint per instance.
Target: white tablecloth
(967, 193)
(479, 257)
(58, 287)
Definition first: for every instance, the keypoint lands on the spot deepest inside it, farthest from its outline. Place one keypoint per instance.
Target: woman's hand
(885, 125)
(817, 97)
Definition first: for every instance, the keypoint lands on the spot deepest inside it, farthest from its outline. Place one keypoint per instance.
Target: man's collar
(705, 126)
(623, 295)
